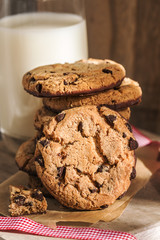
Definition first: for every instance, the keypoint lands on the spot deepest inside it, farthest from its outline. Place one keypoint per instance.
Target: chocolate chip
(124, 135)
(28, 204)
(132, 144)
(32, 79)
(103, 168)
(64, 74)
(105, 159)
(133, 173)
(44, 143)
(52, 72)
(39, 87)
(110, 119)
(37, 195)
(93, 190)
(122, 195)
(116, 88)
(80, 127)
(60, 117)
(61, 171)
(20, 200)
(70, 83)
(40, 160)
(128, 126)
(105, 70)
(98, 185)
(28, 74)
(78, 170)
(100, 169)
(62, 155)
(99, 107)
(104, 206)
(74, 82)
(65, 83)
(17, 192)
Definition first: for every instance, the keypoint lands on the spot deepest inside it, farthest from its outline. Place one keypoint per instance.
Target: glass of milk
(34, 33)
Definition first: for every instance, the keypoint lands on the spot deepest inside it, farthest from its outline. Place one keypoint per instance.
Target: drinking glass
(34, 33)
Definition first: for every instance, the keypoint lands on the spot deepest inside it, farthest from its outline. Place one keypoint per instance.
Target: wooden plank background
(129, 32)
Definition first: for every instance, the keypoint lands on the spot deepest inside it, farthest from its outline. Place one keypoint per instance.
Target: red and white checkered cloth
(141, 138)
(144, 141)
(27, 225)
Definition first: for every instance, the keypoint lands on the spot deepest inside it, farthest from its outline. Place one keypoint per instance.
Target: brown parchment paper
(56, 213)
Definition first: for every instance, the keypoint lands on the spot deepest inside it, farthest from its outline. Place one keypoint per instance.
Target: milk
(27, 41)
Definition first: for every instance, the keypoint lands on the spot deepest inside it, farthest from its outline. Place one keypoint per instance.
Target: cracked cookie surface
(86, 158)
(84, 76)
(127, 94)
(43, 116)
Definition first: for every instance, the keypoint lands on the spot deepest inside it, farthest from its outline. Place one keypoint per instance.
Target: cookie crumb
(26, 201)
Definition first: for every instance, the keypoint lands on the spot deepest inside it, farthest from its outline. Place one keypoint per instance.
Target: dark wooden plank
(128, 32)
(123, 32)
(99, 28)
(8, 165)
(147, 63)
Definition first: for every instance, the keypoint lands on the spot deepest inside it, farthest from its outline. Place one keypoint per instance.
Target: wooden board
(128, 32)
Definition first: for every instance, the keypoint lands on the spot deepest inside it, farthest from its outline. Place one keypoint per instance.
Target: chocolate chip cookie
(127, 94)
(85, 76)
(86, 158)
(25, 157)
(26, 201)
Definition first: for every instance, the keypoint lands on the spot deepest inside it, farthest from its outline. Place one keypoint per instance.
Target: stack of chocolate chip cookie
(83, 153)
(87, 82)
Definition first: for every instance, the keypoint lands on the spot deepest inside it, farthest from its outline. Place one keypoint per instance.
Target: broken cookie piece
(26, 201)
